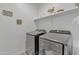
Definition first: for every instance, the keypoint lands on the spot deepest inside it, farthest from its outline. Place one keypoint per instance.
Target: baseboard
(21, 52)
(5, 53)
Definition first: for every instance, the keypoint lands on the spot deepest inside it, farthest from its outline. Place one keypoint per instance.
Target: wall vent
(7, 13)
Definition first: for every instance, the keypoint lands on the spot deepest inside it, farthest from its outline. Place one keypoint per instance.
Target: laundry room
(39, 28)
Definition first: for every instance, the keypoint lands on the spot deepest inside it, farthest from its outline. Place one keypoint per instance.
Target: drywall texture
(13, 36)
(75, 30)
(57, 22)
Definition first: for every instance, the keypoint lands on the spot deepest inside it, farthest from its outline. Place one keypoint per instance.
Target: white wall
(57, 22)
(13, 36)
(75, 30)
(45, 23)
(64, 22)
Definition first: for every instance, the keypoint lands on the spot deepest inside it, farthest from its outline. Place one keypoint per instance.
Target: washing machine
(32, 41)
(56, 42)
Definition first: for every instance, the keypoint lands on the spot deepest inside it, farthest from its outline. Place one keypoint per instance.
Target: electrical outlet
(19, 21)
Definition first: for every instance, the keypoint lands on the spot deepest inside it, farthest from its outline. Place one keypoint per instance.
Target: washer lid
(59, 38)
(37, 32)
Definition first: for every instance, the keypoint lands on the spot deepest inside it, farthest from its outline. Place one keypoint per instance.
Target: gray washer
(56, 42)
